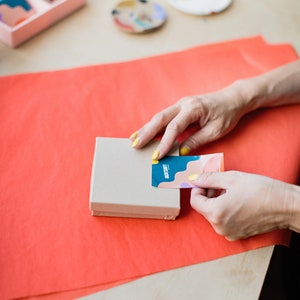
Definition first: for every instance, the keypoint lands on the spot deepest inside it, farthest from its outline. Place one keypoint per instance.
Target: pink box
(47, 13)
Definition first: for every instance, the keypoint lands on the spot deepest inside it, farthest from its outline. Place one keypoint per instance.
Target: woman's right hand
(239, 205)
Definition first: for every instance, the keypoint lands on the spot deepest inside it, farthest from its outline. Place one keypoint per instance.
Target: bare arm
(280, 86)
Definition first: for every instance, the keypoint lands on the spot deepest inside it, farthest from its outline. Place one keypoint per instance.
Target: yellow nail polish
(154, 162)
(193, 177)
(155, 155)
(133, 136)
(135, 142)
(184, 150)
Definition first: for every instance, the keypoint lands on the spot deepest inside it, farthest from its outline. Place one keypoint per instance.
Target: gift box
(121, 183)
(21, 20)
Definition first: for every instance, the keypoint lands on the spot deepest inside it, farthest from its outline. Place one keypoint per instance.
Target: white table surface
(89, 37)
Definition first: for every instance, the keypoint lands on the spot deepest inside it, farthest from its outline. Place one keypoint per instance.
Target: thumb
(210, 180)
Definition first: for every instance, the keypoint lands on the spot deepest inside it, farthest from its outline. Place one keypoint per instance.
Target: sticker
(138, 16)
(175, 171)
(200, 7)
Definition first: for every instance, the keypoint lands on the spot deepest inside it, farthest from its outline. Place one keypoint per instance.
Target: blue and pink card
(174, 171)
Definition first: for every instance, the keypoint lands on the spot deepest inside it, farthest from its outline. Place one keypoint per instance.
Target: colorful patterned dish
(138, 16)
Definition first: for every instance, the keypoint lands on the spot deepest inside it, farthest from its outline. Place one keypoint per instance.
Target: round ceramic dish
(200, 7)
(138, 16)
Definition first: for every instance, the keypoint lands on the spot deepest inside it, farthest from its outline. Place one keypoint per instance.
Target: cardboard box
(121, 183)
(46, 14)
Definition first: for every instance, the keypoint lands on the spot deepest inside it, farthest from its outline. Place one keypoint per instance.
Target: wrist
(252, 93)
(281, 86)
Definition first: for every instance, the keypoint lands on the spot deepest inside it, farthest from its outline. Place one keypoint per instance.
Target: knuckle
(195, 101)
(159, 118)
(216, 131)
(189, 102)
(213, 131)
(220, 225)
(221, 231)
(217, 221)
(193, 142)
(184, 100)
(174, 126)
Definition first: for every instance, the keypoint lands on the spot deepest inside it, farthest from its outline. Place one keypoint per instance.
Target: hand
(239, 205)
(215, 114)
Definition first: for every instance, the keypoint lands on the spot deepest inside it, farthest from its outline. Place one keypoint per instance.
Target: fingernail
(184, 150)
(135, 142)
(155, 155)
(193, 177)
(133, 136)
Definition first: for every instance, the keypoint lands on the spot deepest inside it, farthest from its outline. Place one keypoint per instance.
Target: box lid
(121, 183)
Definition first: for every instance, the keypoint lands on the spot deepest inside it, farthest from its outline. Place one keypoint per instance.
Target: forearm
(277, 87)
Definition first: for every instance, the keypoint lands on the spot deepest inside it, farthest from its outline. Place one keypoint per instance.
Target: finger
(212, 180)
(200, 191)
(208, 193)
(207, 208)
(199, 201)
(203, 136)
(197, 191)
(231, 238)
(172, 131)
(159, 121)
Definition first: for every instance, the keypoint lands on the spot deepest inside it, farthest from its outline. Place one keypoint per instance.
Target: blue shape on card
(166, 168)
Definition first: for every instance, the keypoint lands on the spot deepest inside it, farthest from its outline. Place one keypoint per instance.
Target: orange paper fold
(48, 123)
